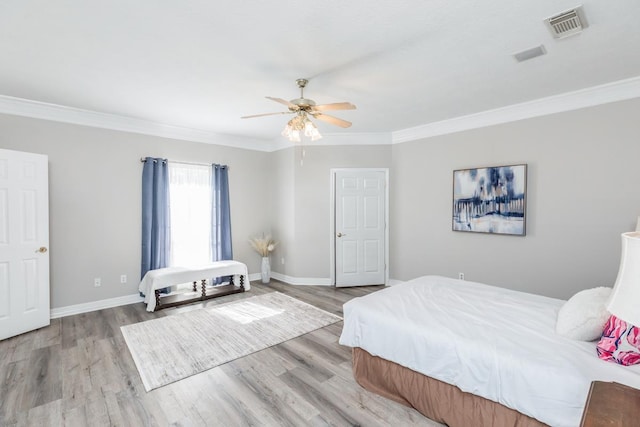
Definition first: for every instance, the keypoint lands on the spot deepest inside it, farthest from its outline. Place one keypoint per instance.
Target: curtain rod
(142, 160)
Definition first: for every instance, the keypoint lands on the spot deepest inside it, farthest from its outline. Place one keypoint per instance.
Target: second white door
(360, 227)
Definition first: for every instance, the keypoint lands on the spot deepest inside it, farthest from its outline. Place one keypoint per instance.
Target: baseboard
(301, 280)
(310, 280)
(70, 310)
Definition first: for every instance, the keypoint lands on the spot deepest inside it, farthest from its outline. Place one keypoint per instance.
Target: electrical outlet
(97, 282)
(282, 260)
(461, 276)
(123, 278)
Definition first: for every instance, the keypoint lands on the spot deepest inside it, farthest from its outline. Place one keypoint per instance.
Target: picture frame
(490, 200)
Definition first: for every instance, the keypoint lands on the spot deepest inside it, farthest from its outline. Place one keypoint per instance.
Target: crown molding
(78, 116)
(611, 92)
(357, 138)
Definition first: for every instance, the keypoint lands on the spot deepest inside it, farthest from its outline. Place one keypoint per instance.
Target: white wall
(95, 192)
(582, 193)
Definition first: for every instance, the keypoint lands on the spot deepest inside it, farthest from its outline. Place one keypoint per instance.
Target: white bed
(492, 342)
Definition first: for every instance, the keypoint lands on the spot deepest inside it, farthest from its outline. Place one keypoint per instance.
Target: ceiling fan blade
(281, 101)
(334, 106)
(265, 114)
(332, 120)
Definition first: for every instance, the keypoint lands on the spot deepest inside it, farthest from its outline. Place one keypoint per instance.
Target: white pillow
(584, 315)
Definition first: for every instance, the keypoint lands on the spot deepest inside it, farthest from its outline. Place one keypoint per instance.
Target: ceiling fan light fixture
(299, 124)
(310, 130)
(291, 134)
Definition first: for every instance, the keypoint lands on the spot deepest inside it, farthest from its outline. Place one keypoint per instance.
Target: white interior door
(360, 227)
(24, 242)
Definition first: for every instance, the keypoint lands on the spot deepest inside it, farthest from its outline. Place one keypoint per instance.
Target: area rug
(171, 348)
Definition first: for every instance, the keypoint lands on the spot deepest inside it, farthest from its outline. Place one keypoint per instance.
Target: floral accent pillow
(620, 342)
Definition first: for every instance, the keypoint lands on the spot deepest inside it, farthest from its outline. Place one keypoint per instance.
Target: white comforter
(492, 342)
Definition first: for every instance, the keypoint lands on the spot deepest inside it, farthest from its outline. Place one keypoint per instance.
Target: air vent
(567, 23)
(530, 53)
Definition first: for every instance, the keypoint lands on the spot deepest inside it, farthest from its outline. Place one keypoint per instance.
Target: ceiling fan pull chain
(302, 153)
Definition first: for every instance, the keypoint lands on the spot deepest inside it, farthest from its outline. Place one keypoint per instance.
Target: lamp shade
(624, 301)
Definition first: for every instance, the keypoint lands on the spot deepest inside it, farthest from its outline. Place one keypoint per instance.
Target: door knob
(340, 234)
(41, 250)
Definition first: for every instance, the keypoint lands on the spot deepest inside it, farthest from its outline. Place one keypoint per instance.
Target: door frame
(332, 220)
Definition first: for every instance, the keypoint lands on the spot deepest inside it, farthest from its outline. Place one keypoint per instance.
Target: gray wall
(581, 196)
(582, 193)
(283, 214)
(95, 192)
(308, 214)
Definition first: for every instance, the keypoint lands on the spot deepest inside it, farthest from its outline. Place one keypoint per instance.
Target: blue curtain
(220, 215)
(156, 229)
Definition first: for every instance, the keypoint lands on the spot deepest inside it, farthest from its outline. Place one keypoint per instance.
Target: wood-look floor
(79, 372)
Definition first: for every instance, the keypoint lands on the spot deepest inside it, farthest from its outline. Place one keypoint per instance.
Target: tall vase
(265, 271)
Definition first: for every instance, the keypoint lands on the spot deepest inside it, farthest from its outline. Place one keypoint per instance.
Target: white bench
(155, 280)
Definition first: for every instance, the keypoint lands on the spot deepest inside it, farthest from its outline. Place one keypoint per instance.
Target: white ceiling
(201, 64)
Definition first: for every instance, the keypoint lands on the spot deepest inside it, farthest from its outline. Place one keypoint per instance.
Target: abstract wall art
(490, 200)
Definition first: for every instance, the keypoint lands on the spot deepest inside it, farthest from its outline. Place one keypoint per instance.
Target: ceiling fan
(303, 108)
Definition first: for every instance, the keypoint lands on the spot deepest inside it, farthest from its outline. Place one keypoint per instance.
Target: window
(190, 214)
